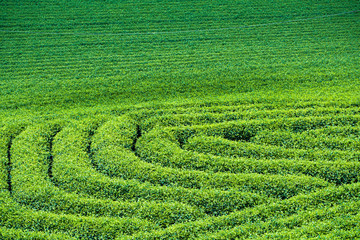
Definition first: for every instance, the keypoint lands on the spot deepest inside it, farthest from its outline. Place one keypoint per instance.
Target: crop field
(180, 119)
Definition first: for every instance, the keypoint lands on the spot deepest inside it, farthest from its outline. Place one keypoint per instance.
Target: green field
(179, 119)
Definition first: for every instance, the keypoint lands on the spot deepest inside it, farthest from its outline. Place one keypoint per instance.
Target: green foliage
(170, 154)
(43, 195)
(179, 119)
(16, 216)
(4, 161)
(298, 204)
(305, 224)
(164, 181)
(110, 151)
(160, 147)
(249, 133)
(97, 53)
(15, 233)
(73, 171)
(199, 115)
(6, 136)
(307, 140)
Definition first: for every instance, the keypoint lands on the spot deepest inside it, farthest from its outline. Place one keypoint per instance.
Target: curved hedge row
(276, 186)
(179, 119)
(54, 199)
(161, 146)
(307, 141)
(224, 147)
(20, 217)
(286, 208)
(15, 216)
(351, 132)
(305, 224)
(111, 152)
(15, 234)
(7, 134)
(176, 118)
(131, 177)
(4, 161)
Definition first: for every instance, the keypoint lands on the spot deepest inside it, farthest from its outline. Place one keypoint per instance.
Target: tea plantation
(180, 119)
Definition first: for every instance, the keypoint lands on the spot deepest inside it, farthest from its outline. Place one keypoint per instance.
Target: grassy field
(179, 119)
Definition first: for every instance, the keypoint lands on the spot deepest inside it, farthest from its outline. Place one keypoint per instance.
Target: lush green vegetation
(179, 119)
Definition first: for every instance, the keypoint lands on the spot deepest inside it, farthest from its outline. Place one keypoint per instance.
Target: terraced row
(137, 51)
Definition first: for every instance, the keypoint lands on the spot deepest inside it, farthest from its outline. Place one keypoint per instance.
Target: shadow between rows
(9, 164)
(50, 156)
(12, 136)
